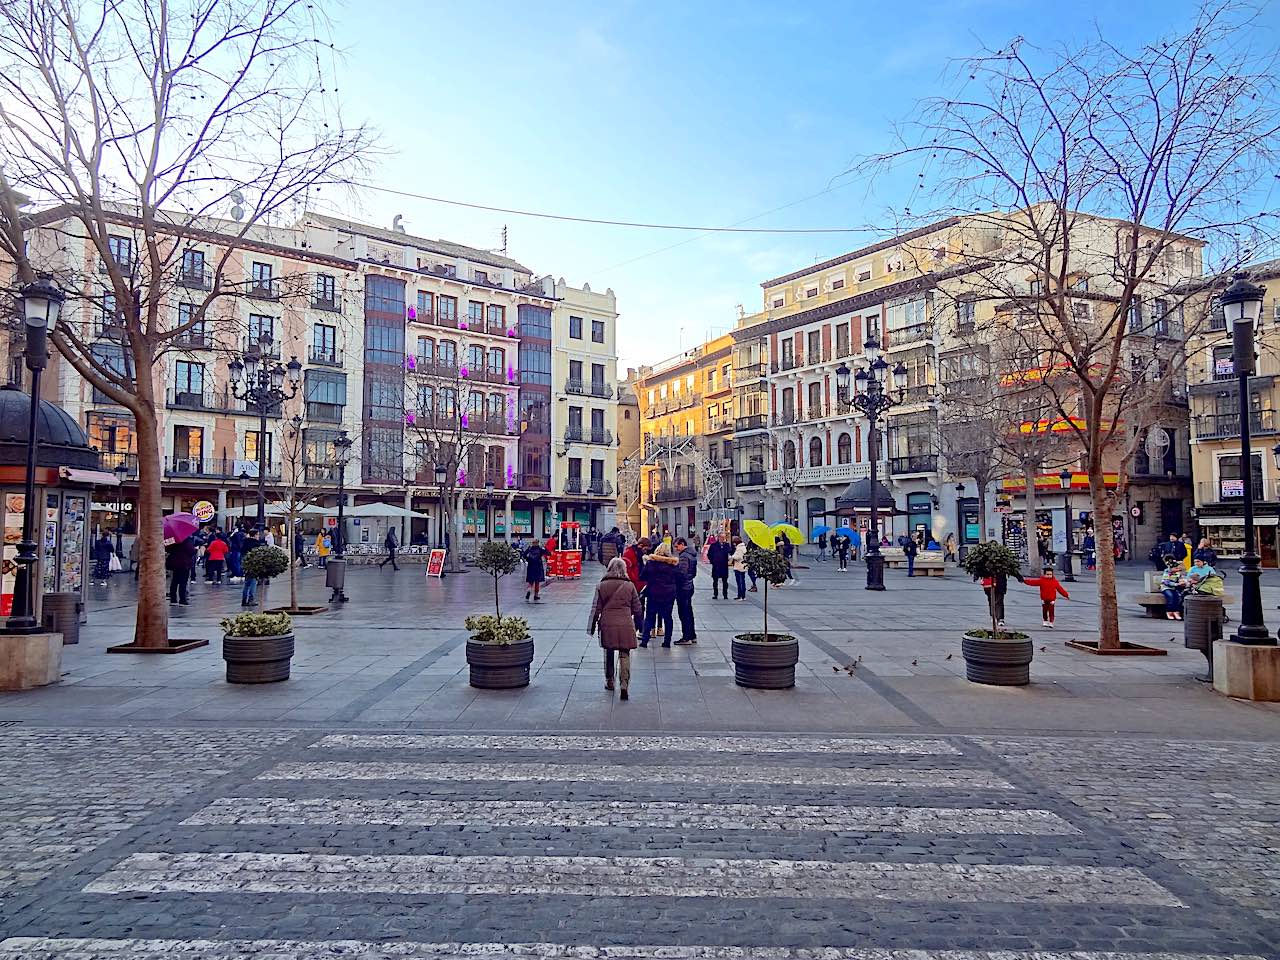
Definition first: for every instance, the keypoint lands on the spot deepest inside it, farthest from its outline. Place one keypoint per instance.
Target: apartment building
(1215, 420)
(686, 425)
(584, 373)
(301, 304)
(627, 430)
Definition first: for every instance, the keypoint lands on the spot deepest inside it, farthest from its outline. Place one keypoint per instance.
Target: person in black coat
(687, 565)
(535, 569)
(181, 561)
(719, 554)
(662, 579)
(103, 549)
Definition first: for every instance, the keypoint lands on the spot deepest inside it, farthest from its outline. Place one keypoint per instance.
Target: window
(188, 379)
(872, 320)
(1135, 314)
(480, 276)
(497, 314)
(497, 361)
(1230, 479)
(864, 275)
(778, 302)
(837, 284)
(424, 305)
(844, 449)
(651, 398)
(251, 449)
(318, 448)
(965, 316)
(575, 419)
(688, 382)
(597, 423)
(426, 350)
(188, 449)
(426, 400)
(475, 313)
(575, 328)
(110, 433)
(1223, 363)
(842, 340)
(906, 319)
(325, 394)
(259, 326)
(197, 333)
(814, 346)
(1035, 287)
(193, 266)
(475, 358)
(447, 353)
(447, 308)
(121, 250)
(535, 321)
(496, 407)
(815, 452)
(597, 331)
(261, 277)
(597, 375)
(788, 456)
(535, 363)
(811, 292)
(1081, 285)
(326, 290)
(324, 343)
(448, 403)
(626, 414)
(711, 381)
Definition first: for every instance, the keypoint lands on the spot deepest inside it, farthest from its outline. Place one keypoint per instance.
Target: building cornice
(865, 251)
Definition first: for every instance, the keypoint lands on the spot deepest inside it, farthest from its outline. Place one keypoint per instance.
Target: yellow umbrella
(792, 533)
(759, 533)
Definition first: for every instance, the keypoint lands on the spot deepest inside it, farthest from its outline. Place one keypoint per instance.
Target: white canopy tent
(281, 510)
(382, 510)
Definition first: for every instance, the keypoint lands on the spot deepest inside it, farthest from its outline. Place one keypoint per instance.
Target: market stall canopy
(281, 510)
(382, 510)
(857, 498)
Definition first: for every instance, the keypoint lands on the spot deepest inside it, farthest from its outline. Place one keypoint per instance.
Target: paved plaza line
(309, 873)
(618, 773)
(640, 743)
(277, 811)
(71, 948)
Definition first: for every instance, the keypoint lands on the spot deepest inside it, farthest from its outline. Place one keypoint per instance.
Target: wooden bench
(929, 563)
(1152, 603)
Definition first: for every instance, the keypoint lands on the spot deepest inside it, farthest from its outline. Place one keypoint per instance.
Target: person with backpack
(390, 543)
(719, 553)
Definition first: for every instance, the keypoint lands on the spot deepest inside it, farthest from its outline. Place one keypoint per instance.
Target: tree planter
(499, 666)
(1003, 662)
(257, 659)
(765, 665)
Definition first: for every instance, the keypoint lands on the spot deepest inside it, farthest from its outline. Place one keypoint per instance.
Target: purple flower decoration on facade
(465, 420)
(511, 475)
(462, 325)
(464, 372)
(511, 374)
(411, 313)
(410, 363)
(511, 332)
(410, 418)
(462, 477)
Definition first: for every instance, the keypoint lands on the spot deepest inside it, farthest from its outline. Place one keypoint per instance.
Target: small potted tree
(500, 649)
(766, 661)
(257, 647)
(997, 656)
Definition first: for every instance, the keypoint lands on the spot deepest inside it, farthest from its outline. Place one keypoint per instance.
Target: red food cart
(565, 549)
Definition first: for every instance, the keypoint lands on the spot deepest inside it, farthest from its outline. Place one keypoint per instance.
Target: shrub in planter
(257, 647)
(500, 649)
(995, 656)
(766, 661)
(263, 563)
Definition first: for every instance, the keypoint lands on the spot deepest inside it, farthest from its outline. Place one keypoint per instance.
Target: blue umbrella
(845, 532)
(819, 530)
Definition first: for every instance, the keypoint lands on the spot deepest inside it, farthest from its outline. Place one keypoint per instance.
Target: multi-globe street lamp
(1065, 478)
(872, 398)
(488, 495)
(41, 305)
(341, 457)
(264, 392)
(1241, 307)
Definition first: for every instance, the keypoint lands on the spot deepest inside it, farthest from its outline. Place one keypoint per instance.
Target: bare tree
(1093, 183)
(155, 115)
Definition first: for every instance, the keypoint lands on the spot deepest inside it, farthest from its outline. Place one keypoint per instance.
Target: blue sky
(703, 113)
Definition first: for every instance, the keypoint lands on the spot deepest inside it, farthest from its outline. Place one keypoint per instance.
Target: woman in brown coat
(614, 612)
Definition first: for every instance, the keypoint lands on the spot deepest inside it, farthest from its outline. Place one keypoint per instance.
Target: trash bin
(1202, 625)
(61, 614)
(335, 575)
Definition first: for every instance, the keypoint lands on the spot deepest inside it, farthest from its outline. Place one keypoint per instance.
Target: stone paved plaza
(376, 806)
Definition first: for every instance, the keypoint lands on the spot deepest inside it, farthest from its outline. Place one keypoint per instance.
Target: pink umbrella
(179, 526)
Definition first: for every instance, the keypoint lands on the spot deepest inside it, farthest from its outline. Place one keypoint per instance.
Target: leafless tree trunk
(150, 119)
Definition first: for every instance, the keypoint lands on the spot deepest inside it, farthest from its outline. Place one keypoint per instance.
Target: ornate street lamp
(341, 457)
(41, 305)
(488, 495)
(1242, 306)
(264, 392)
(1065, 478)
(442, 474)
(873, 399)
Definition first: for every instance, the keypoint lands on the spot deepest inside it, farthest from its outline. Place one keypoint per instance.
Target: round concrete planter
(499, 666)
(765, 665)
(1001, 663)
(257, 659)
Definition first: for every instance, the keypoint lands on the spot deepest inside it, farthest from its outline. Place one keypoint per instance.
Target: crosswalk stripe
(639, 743)
(629, 877)
(278, 811)
(619, 773)
(72, 948)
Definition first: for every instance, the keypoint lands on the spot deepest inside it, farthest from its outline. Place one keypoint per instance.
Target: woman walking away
(739, 562)
(614, 612)
(535, 569)
(662, 575)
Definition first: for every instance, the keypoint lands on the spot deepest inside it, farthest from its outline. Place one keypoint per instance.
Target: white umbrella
(281, 510)
(381, 510)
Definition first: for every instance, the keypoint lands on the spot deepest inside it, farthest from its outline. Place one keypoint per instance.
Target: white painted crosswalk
(628, 877)
(665, 815)
(843, 746)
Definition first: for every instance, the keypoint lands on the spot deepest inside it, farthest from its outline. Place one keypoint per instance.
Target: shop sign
(203, 511)
(435, 562)
(1231, 488)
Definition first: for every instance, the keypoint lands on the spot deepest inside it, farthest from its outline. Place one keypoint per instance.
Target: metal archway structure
(668, 453)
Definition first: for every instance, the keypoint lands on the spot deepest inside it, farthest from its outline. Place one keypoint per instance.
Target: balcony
(600, 488)
(109, 462)
(1229, 491)
(193, 278)
(108, 328)
(194, 339)
(718, 424)
(126, 264)
(749, 478)
(573, 485)
(785, 364)
(670, 492)
(785, 419)
(177, 399)
(914, 463)
(213, 468)
(264, 288)
(1218, 426)
(328, 304)
(576, 434)
(251, 345)
(916, 333)
(749, 373)
(575, 388)
(534, 482)
(325, 356)
(598, 388)
(755, 421)
(320, 473)
(834, 473)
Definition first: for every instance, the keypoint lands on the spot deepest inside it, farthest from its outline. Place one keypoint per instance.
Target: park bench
(1152, 600)
(929, 563)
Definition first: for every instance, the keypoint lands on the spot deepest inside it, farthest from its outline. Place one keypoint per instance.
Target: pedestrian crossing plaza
(317, 844)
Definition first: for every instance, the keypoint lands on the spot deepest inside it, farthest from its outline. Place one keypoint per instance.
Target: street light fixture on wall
(1242, 306)
(41, 304)
(873, 398)
(264, 391)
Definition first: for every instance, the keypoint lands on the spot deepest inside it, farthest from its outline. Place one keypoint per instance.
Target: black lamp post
(441, 475)
(872, 400)
(341, 457)
(488, 522)
(41, 304)
(244, 485)
(264, 391)
(1065, 478)
(121, 471)
(1242, 306)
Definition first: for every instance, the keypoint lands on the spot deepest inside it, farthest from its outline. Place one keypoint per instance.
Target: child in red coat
(1049, 590)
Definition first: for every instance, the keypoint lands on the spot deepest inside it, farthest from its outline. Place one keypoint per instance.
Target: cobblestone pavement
(227, 843)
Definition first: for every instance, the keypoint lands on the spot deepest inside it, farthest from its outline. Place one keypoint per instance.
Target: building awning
(98, 478)
(1238, 521)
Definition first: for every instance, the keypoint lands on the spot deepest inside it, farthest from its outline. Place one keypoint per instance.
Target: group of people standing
(221, 552)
